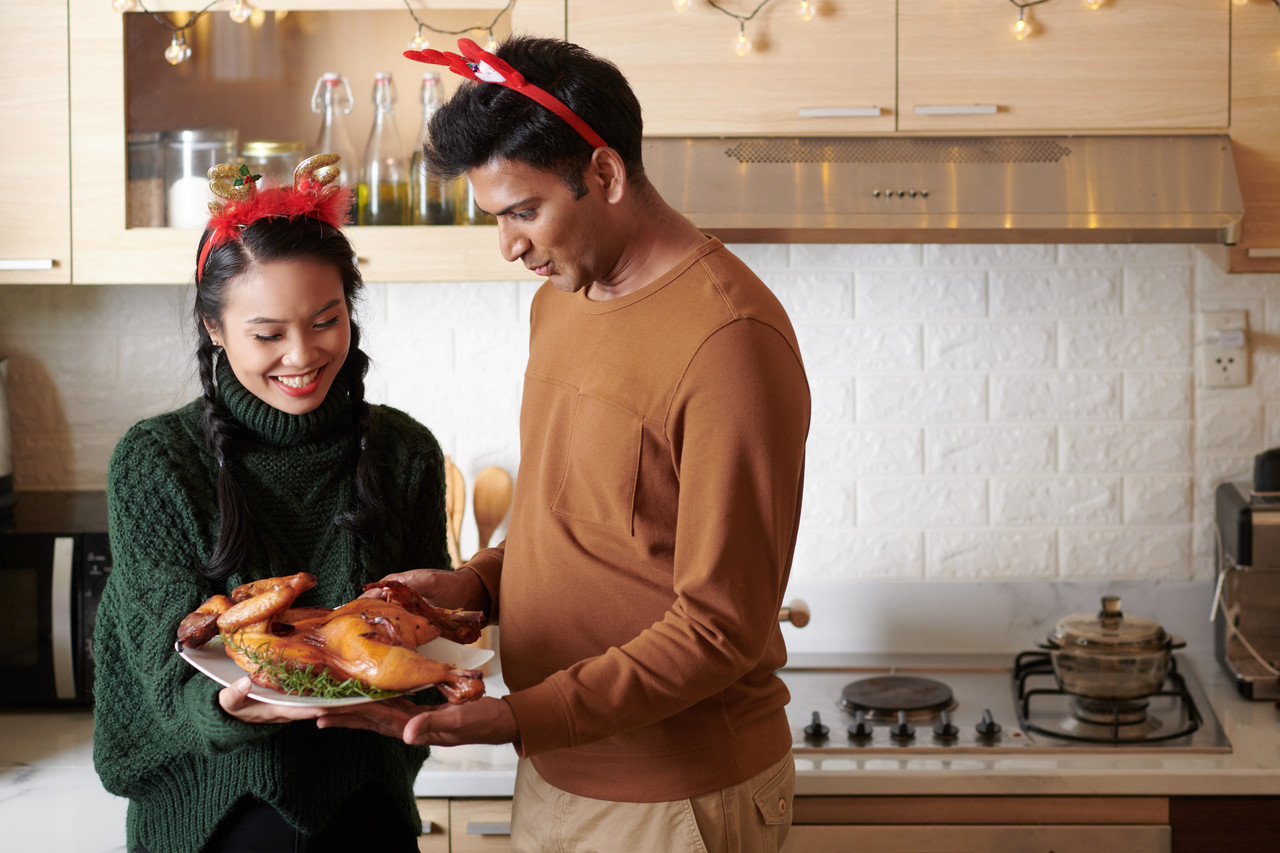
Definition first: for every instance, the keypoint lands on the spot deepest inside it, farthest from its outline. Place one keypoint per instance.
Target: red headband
(476, 64)
(312, 194)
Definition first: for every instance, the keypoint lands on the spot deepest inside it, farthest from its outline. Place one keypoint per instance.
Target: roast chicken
(371, 639)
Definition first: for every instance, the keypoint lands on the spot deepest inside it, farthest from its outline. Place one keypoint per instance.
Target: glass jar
(144, 198)
(189, 156)
(275, 161)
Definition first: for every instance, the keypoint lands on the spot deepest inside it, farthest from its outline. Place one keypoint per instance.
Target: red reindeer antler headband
(476, 64)
(313, 194)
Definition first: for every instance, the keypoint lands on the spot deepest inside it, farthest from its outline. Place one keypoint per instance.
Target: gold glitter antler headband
(313, 194)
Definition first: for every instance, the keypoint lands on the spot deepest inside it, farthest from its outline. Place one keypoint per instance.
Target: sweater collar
(279, 428)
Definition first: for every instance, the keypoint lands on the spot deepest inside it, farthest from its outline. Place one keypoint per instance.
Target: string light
(124, 5)
(743, 46)
(680, 5)
(240, 11)
(1023, 28)
(178, 50)
(806, 10)
(419, 42)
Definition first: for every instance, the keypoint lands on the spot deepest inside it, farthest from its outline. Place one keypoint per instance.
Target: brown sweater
(655, 515)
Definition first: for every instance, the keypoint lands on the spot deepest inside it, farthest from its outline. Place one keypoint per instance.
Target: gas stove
(922, 704)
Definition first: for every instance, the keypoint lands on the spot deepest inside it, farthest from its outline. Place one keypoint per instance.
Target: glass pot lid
(1109, 630)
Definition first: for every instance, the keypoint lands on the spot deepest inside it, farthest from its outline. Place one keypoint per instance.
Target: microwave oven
(54, 563)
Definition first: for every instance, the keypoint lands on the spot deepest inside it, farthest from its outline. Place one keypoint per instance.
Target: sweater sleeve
(737, 432)
(149, 703)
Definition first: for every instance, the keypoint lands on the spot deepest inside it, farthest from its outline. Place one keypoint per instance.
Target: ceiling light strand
(419, 42)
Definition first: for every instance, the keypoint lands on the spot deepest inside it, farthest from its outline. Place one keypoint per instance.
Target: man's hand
(455, 590)
(235, 700)
(485, 720)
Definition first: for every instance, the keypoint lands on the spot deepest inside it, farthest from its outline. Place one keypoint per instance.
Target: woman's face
(285, 331)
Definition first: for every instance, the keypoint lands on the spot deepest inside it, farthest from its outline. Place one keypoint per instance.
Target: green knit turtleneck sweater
(160, 737)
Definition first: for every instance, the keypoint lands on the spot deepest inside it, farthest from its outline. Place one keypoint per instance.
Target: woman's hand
(455, 590)
(235, 700)
(484, 720)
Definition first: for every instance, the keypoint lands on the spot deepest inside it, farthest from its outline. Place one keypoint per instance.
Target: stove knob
(816, 730)
(861, 729)
(944, 729)
(987, 728)
(902, 730)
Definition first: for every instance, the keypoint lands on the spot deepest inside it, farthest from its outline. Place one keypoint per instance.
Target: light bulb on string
(680, 5)
(1094, 4)
(419, 41)
(805, 11)
(178, 51)
(1240, 2)
(492, 44)
(743, 46)
(1021, 29)
(240, 11)
(124, 5)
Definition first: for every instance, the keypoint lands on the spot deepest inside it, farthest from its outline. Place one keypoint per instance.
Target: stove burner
(1110, 712)
(883, 697)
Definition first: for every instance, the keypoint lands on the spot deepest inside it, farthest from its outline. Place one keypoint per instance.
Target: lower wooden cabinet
(465, 826)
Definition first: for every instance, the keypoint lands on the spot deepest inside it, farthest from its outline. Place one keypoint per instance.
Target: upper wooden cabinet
(257, 89)
(833, 75)
(1129, 65)
(34, 145)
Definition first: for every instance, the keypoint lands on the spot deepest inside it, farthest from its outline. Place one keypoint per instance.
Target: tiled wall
(1008, 412)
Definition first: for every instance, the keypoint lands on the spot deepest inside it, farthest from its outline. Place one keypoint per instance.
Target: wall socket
(1222, 349)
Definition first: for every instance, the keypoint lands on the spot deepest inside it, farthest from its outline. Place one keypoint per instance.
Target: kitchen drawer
(983, 839)
(479, 825)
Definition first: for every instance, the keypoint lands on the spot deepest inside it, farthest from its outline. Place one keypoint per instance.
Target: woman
(280, 467)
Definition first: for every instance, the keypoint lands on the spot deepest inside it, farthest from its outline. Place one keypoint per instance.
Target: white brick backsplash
(925, 398)
(1157, 290)
(854, 256)
(1126, 344)
(1055, 292)
(1229, 426)
(985, 450)
(852, 452)
(984, 256)
(1056, 397)
(990, 346)
(1151, 448)
(915, 295)
(863, 554)
(813, 296)
(990, 554)
(1149, 553)
(1056, 501)
(844, 349)
(1010, 411)
(938, 502)
(1157, 499)
(1162, 396)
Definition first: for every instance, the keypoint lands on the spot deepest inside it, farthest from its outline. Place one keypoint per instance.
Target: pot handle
(1049, 645)
(1176, 642)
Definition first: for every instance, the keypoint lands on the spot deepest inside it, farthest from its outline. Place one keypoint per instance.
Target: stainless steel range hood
(1047, 189)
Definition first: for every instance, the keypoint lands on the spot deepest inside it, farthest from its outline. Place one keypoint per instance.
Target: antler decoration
(314, 194)
(477, 64)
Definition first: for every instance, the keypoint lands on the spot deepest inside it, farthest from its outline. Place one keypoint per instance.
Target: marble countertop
(51, 799)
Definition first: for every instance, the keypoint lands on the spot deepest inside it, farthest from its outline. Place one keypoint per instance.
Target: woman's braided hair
(277, 239)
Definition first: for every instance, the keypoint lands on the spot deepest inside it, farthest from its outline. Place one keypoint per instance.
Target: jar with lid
(275, 161)
(144, 197)
(189, 156)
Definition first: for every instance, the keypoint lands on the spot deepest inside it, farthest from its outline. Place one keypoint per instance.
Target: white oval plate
(212, 660)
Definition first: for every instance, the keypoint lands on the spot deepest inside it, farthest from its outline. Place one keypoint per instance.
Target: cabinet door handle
(489, 828)
(27, 264)
(957, 109)
(1264, 253)
(839, 112)
(64, 674)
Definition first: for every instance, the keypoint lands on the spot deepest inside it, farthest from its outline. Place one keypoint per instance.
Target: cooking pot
(1110, 655)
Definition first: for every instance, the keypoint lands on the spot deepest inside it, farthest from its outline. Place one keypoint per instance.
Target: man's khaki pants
(752, 817)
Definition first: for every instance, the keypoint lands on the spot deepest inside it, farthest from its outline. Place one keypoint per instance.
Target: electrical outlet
(1222, 349)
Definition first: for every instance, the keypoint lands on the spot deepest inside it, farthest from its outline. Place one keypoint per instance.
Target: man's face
(542, 225)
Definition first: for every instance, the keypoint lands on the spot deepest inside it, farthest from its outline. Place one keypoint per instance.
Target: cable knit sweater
(160, 737)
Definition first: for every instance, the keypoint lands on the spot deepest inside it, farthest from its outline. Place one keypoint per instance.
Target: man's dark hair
(484, 122)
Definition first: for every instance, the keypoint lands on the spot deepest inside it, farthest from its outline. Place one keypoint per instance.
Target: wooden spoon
(492, 501)
(455, 504)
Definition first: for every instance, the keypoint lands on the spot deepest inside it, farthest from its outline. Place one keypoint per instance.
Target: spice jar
(144, 197)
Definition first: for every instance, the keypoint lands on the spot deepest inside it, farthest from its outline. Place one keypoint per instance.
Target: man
(662, 427)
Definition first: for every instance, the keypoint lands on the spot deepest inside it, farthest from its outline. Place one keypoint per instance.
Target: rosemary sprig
(299, 681)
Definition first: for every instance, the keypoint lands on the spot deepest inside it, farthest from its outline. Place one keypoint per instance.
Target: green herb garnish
(300, 681)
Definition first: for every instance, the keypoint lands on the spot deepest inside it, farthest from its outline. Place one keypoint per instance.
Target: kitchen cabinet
(1133, 65)
(1238, 824)
(831, 75)
(876, 66)
(465, 826)
(1255, 135)
(36, 218)
(108, 252)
